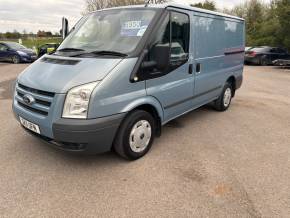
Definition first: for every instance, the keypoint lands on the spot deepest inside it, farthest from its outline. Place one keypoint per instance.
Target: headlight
(22, 53)
(77, 101)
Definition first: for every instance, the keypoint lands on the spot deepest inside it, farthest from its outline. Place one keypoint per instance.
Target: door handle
(190, 69)
(198, 68)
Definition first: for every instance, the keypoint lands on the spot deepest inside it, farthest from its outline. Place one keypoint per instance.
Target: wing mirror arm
(149, 64)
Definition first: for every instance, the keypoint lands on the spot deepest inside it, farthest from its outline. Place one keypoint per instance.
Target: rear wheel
(264, 61)
(224, 101)
(16, 59)
(136, 135)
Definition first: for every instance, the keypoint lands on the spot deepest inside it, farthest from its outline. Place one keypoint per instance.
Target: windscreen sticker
(134, 28)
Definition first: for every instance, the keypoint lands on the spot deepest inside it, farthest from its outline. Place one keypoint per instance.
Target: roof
(181, 6)
(8, 42)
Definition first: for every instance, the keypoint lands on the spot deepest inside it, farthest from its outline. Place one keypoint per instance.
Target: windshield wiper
(70, 50)
(104, 52)
(114, 53)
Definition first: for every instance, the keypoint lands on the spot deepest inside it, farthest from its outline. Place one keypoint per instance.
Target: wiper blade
(112, 53)
(70, 49)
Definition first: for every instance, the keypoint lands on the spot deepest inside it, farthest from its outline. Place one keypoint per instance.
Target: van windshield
(118, 30)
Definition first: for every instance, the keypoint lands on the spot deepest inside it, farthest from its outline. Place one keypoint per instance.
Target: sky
(34, 15)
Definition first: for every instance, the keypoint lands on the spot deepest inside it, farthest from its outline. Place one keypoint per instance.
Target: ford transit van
(123, 73)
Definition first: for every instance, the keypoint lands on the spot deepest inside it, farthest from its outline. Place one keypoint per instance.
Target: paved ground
(206, 164)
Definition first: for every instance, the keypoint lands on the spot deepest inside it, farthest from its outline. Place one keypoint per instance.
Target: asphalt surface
(206, 164)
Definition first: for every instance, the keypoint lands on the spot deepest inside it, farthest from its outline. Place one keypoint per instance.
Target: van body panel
(116, 92)
(59, 78)
(219, 57)
(146, 100)
(175, 90)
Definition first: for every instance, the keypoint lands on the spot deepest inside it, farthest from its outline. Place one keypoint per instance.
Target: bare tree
(93, 5)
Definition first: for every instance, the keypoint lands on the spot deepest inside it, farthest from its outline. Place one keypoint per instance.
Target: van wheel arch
(153, 111)
(232, 80)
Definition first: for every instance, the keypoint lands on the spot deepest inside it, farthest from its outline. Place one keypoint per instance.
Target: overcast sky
(32, 15)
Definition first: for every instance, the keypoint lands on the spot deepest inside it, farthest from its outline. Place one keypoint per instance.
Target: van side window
(180, 38)
(281, 51)
(174, 32)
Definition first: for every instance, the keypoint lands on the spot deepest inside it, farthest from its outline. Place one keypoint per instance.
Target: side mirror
(161, 57)
(65, 28)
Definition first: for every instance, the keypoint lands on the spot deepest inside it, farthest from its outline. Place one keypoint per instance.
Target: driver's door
(174, 87)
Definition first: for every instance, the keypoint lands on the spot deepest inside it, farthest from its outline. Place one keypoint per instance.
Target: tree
(16, 34)
(266, 24)
(282, 11)
(93, 5)
(48, 34)
(209, 5)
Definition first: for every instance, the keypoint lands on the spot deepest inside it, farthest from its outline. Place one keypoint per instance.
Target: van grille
(50, 94)
(43, 99)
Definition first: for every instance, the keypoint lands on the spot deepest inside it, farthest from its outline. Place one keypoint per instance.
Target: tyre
(264, 61)
(15, 59)
(224, 101)
(136, 135)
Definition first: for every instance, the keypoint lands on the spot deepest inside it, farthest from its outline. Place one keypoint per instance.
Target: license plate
(28, 125)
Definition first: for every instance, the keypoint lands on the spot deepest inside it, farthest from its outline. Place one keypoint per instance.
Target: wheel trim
(227, 97)
(140, 136)
(15, 59)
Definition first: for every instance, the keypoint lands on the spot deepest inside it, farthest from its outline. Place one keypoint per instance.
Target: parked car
(15, 52)
(264, 55)
(248, 48)
(282, 62)
(115, 89)
(47, 48)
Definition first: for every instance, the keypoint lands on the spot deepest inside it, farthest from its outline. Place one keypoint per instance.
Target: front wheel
(15, 59)
(136, 135)
(224, 101)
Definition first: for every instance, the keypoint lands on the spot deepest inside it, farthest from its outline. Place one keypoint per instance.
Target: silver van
(123, 73)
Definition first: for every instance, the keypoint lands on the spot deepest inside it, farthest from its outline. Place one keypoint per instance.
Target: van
(123, 73)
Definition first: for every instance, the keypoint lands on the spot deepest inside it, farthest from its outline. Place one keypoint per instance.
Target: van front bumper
(84, 136)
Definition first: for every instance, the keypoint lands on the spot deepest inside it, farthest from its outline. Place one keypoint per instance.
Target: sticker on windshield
(134, 28)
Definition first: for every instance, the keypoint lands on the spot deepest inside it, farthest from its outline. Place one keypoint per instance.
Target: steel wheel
(140, 136)
(15, 59)
(136, 135)
(227, 97)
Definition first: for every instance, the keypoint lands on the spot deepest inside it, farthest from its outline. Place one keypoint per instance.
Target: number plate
(28, 125)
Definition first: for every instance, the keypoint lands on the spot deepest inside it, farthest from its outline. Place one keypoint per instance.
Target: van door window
(174, 32)
(180, 26)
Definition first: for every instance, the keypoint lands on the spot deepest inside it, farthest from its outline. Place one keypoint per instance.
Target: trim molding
(234, 52)
(191, 98)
